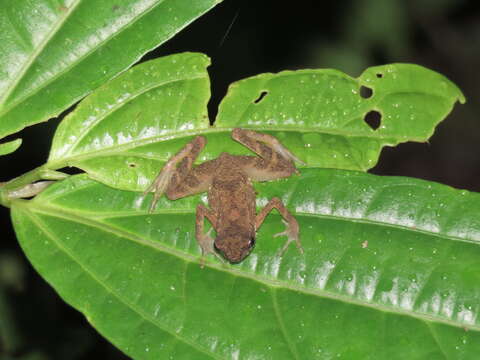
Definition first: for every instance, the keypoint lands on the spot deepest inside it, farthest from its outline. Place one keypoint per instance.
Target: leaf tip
(10, 146)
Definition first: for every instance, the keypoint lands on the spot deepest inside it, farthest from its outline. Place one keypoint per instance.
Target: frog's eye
(251, 242)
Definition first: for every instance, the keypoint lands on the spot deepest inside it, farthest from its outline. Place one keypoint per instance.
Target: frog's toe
(290, 231)
(292, 236)
(206, 242)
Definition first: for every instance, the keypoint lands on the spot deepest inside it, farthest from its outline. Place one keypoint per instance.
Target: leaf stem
(28, 184)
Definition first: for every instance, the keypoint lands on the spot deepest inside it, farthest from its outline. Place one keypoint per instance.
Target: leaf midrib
(33, 56)
(191, 211)
(121, 150)
(61, 213)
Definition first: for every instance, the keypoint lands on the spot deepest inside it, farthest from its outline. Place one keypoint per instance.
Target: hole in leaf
(71, 170)
(379, 75)
(132, 165)
(365, 92)
(261, 96)
(373, 119)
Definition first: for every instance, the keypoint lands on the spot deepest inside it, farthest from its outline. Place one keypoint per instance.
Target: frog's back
(231, 195)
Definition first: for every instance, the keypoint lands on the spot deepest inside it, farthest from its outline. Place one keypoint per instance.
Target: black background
(244, 38)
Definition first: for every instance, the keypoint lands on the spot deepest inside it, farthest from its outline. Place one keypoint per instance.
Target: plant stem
(25, 186)
(25, 179)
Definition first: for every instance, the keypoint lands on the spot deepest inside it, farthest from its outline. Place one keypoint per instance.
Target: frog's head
(234, 248)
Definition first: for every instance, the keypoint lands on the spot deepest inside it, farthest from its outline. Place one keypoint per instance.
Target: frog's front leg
(292, 225)
(205, 241)
(178, 179)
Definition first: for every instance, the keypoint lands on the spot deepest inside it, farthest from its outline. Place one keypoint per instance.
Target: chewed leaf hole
(71, 170)
(260, 97)
(365, 92)
(379, 75)
(373, 119)
(132, 165)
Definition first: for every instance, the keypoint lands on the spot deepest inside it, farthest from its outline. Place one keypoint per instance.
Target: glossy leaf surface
(54, 52)
(390, 271)
(123, 133)
(116, 133)
(328, 113)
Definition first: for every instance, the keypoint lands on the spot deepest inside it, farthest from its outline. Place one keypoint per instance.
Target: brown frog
(228, 181)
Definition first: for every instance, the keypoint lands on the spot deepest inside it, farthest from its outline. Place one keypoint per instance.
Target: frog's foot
(270, 140)
(163, 179)
(159, 185)
(206, 242)
(291, 232)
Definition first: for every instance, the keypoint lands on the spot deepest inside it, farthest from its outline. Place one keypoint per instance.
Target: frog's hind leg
(292, 228)
(275, 160)
(177, 178)
(205, 241)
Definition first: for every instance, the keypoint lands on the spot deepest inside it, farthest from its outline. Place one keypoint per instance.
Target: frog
(228, 181)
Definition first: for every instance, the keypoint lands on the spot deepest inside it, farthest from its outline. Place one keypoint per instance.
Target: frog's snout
(234, 249)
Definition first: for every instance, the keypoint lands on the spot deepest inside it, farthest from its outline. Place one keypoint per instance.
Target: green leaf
(390, 270)
(53, 53)
(123, 133)
(10, 147)
(116, 133)
(324, 110)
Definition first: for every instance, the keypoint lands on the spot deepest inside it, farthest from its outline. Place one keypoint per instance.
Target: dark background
(244, 38)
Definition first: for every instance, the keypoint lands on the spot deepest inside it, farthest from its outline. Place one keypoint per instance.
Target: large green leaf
(115, 134)
(123, 133)
(390, 271)
(324, 110)
(54, 52)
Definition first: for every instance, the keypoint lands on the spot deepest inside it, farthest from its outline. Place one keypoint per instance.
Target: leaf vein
(33, 56)
(117, 107)
(436, 339)
(79, 59)
(61, 213)
(278, 315)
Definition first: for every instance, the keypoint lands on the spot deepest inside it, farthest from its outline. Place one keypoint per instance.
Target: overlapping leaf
(390, 270)
(124, 132)
(53, 53)
(325, 112)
